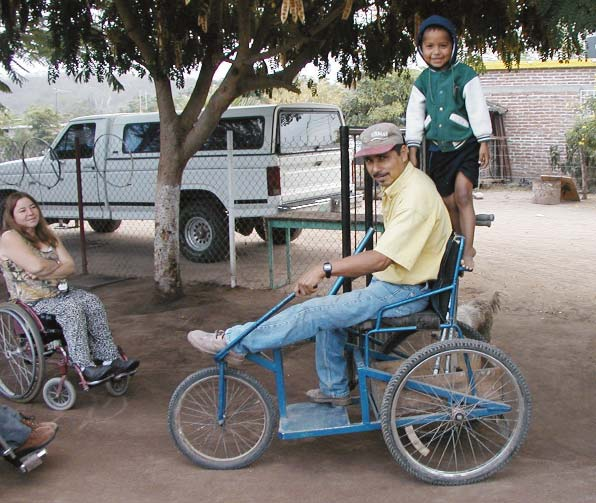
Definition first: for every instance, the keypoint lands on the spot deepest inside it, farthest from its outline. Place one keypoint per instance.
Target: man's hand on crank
(308, 282)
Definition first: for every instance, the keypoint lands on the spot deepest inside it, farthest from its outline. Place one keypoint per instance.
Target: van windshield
(249, 133)
(308, 131)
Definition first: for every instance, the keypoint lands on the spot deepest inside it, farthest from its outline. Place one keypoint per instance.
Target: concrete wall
(542, 104)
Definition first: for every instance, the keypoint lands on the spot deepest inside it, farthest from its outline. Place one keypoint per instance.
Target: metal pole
(231, 216)
(80, 205)
(368, 211)
(346, 245)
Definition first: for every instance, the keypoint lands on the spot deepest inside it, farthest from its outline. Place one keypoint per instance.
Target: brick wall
(542, 104)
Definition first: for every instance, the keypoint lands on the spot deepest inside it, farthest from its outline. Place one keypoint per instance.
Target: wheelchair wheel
(455, 412)
(57, 396)
(22, 363)
(244, 434)
(117, 387)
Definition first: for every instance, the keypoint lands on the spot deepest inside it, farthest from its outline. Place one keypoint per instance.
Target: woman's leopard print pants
(85, 325)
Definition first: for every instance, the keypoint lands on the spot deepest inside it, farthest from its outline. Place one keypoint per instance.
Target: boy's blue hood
(443, 23)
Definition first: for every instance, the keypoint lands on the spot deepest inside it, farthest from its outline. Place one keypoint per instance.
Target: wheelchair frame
(37, 337)
(463, 407)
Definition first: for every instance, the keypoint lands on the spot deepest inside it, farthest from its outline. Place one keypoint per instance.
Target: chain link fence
(265, 173)
(279, 161)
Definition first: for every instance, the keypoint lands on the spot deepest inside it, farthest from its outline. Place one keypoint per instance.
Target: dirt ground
(540, 257)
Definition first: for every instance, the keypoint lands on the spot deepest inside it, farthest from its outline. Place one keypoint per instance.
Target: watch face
(327, 269)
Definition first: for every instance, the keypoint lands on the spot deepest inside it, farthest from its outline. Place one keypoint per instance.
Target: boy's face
(386, 168)
(436, 47)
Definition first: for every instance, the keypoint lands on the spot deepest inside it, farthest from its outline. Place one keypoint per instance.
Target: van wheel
(204, 232)
(279, 235)
(104, 226)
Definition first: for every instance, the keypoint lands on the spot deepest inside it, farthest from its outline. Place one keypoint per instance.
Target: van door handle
(318, 163)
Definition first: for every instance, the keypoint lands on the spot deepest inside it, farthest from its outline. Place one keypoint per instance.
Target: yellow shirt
(417, 227)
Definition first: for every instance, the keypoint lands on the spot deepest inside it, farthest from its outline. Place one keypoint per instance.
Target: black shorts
(443, 167)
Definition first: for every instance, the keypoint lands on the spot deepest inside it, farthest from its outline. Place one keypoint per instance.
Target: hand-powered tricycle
(452, 412)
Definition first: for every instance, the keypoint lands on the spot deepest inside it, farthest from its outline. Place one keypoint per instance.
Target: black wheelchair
(28, 344)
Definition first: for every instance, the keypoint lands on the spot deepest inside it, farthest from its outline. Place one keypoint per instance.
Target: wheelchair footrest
(309, 417)
(29, 461)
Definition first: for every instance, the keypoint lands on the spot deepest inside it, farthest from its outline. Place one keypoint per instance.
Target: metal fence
(240, 188)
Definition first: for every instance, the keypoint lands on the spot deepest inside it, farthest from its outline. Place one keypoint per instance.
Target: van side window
(65, 149)
(308, 131)
(249, 133)
(141, 138)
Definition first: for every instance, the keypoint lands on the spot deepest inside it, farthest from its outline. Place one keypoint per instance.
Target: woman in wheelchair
(36, 265)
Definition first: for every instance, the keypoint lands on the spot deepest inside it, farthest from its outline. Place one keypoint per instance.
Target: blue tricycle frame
(453, 412)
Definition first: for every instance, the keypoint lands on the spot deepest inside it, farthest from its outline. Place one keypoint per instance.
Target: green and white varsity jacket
(448, 107)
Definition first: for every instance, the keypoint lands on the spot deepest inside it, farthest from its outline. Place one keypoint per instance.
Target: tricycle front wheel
(245, 431)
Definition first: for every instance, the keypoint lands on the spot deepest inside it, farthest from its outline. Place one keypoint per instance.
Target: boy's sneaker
(39, 437)
(212, 343)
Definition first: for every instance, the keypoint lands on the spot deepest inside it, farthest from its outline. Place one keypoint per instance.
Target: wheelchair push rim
(22, 362)
(245, 432)
(456, 412)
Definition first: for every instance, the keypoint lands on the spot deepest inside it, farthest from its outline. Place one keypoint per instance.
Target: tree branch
(134, 32)
(223, 97)
(293, 43)
(211, 62)
(199, 94)
(268, 82)
(165, 99)
(243, 28)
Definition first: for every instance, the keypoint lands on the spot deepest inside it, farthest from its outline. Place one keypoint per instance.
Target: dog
(479, 313)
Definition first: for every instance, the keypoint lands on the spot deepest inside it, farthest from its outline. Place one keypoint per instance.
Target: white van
(285, 156)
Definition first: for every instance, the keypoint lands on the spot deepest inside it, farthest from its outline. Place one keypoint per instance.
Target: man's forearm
(354, 266)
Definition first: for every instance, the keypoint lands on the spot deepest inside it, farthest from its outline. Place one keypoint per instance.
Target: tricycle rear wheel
(455, 412)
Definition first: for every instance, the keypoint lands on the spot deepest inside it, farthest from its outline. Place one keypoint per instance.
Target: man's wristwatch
(327, 269)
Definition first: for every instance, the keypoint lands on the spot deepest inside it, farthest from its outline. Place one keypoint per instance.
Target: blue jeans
(327, 319)
(13, 431)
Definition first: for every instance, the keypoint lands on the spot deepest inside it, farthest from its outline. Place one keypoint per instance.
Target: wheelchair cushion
(424, 320)
(49, 329)
(49, 321)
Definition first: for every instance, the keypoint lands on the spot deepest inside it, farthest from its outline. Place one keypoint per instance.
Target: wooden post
(80, 204)
(584, 170)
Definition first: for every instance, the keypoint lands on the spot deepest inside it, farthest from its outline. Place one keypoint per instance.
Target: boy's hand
(484, 155)
(412, 151)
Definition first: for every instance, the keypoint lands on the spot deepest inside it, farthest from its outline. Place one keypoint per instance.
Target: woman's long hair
(42, 232)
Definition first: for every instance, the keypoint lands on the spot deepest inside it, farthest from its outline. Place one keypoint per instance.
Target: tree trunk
(584, 170)
(166, 256)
